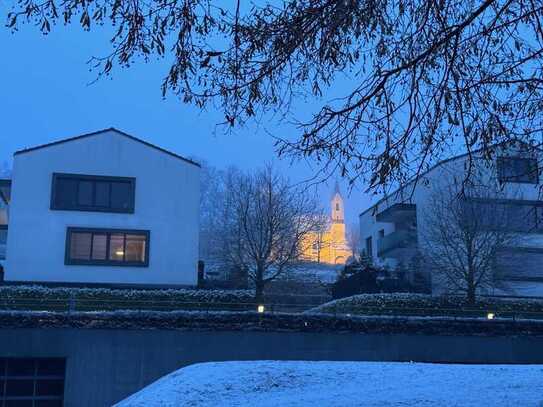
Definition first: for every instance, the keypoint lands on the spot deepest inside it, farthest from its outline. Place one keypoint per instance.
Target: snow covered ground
(275, 383)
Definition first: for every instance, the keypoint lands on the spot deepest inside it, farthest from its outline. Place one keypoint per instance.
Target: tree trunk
(259, 293)
(471, 289)
(259, 284)
(471, 295)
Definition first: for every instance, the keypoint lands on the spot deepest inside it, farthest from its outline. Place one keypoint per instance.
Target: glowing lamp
(260, 309)
(119, 253)
(490, 315)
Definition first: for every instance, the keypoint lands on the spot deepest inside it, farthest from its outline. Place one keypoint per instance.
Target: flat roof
(94, 133)
(437, 165)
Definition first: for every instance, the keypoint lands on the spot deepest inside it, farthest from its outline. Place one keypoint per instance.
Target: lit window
(107, 247)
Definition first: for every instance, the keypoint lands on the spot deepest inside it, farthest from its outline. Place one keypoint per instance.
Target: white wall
(441, 176)
(166, 203)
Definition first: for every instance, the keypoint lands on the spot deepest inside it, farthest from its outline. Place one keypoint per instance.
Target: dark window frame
(94, 178)
(107, 262)
(36, 377)
(534, 209)
(369, 246)
(505, 179)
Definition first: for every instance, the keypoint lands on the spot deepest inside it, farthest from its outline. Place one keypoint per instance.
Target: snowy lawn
(275, 383)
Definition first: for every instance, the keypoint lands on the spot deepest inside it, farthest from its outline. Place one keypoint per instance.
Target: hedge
(427, 305)
(36, 297)
(251, 321)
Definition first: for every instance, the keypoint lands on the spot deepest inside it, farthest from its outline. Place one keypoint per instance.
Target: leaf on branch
(12, 20)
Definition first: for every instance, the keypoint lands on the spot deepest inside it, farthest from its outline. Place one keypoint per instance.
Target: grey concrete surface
(105, 366)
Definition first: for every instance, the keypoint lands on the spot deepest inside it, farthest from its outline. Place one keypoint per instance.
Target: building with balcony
(394, 230)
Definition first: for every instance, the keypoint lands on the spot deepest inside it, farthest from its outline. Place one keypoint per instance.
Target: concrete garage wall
(105, 366)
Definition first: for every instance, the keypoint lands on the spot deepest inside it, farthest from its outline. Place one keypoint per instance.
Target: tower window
(337, 206)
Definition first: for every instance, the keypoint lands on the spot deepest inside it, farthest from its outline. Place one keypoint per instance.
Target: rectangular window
(32, 382)
(107, 247)
(369, 246)
(508, 215)
(96, 193)
(517, 169)
(3, 241)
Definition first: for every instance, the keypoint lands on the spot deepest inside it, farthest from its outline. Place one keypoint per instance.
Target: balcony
(3, 241)
(398, 213)
(397, 243)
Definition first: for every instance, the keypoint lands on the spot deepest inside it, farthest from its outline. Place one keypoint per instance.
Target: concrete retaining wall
(105, 366)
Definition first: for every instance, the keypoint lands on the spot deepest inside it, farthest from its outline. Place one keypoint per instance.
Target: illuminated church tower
(331, 245)
(339, 250)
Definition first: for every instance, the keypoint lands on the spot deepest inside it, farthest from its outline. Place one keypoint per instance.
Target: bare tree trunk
(259, 284)
(471, 288)
(470, 296)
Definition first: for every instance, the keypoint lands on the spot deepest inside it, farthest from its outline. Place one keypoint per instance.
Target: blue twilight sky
(46, 95)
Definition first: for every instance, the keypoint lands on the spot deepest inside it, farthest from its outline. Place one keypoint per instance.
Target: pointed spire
(336, 188)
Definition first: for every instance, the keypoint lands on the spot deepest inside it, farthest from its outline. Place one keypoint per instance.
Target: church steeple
(337, 206)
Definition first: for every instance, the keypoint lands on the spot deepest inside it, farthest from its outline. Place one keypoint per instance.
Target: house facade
(103, 208)
(392, 231)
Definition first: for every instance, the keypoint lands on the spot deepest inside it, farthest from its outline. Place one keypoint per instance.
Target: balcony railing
(3, 241)
(400, 239)
(396, 213)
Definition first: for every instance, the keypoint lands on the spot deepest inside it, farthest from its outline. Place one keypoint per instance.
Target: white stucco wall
(166, 203)
(442, 176)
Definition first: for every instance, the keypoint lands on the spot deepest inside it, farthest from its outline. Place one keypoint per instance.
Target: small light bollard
(260, 309)
(490, 315)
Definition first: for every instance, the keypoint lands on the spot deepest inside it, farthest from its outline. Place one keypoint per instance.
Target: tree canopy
(425, 77)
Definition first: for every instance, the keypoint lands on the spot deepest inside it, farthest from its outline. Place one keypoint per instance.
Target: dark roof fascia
(380, 201)
(54, 143)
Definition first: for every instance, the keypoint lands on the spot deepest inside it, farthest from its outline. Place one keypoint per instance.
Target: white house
(104, 208)
(391, 230)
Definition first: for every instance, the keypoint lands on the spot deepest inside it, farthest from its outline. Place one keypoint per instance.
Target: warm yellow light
(490, 315)
(260, 309)
(119, 253)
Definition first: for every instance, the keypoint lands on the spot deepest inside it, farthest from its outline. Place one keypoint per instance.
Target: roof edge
(94, 133)
(444, 161)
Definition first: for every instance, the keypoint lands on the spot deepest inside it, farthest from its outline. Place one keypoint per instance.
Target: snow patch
(296, 383)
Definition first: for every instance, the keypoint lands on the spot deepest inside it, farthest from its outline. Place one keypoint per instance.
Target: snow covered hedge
(61, 298)
(252, 321)
(427, 305)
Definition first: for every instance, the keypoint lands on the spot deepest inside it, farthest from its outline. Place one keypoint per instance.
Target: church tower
(339, 247)
(330, 247)
(338, 215)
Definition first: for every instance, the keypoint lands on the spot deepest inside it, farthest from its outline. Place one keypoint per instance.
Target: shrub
(62, 298)
(427, 305)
